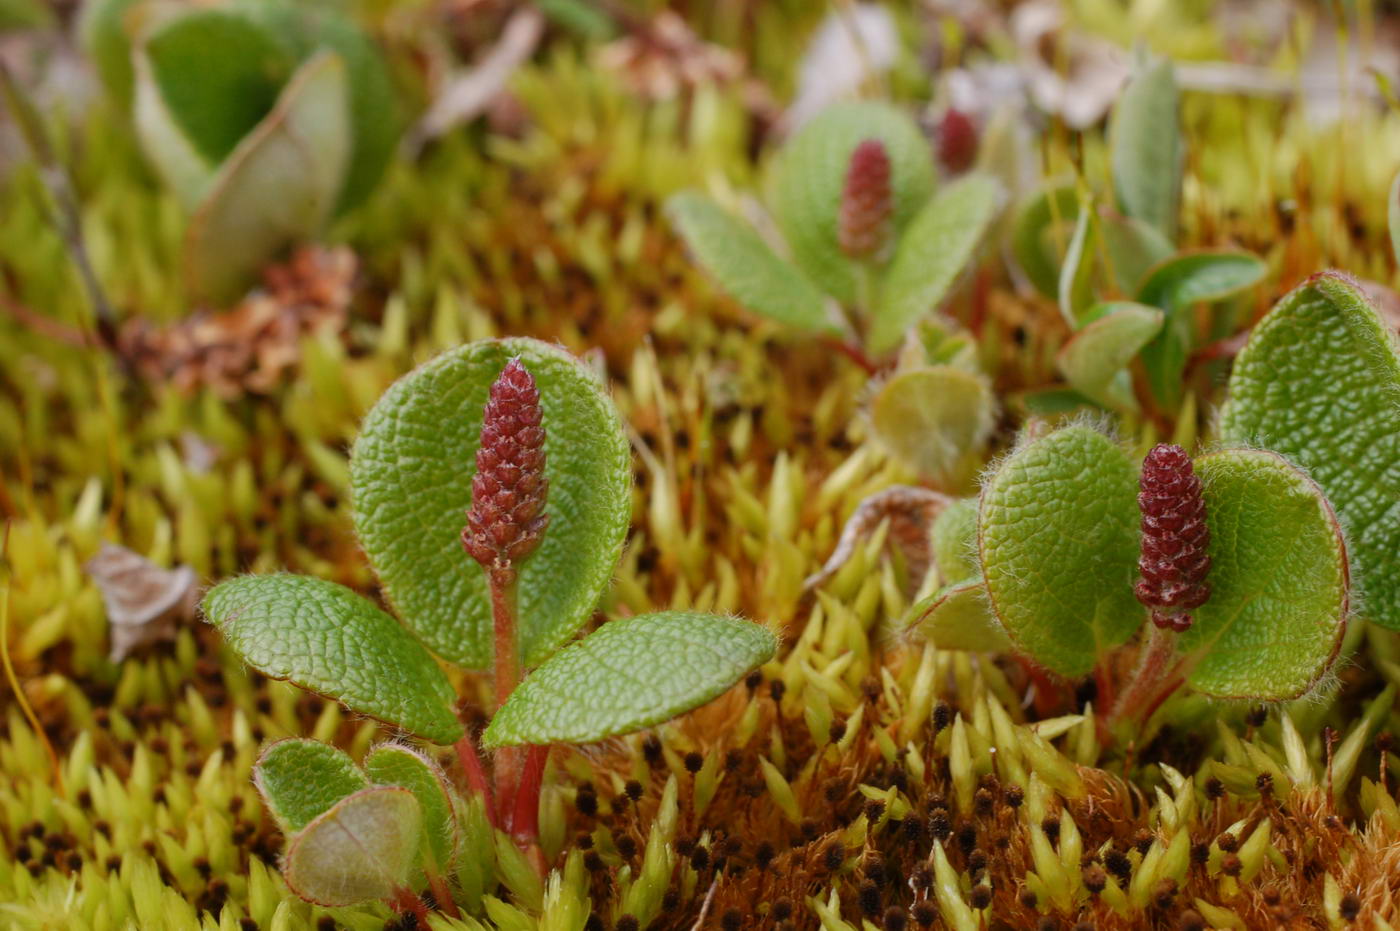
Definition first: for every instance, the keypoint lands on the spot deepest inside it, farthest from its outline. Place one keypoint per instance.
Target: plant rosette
(494, 567)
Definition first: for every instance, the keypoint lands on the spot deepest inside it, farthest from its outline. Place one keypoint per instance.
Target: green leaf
(1319, 382)
(399, 765)
(1042, 234)
(278, 185)
(1074, 290)
(959, 617)
(299, 779)
(937, 245)
(411, 476)
(327, 639)
(361, 850)
(931, 418)
(1174, 286)
(103, 35)
(811, 172)
(219, 75)
(745, 267)
(1095, 358)
(630, 674)
(1133, 249)
(1057, 534)
(1145, 148)
(1278, 580)
(954, 535)
(1393, 214)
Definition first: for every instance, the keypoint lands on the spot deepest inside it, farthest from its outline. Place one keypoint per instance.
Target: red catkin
(957, 141)
(507, 518)
(867, 202)
(1174, 562)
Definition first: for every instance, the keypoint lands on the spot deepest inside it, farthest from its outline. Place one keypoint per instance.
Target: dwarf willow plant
(494, 567)
(1125, 290)
(264, 117)
(1247, 561)
(871, 247)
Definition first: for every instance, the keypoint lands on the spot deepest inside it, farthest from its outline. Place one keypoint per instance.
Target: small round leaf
(411, 475)
(400, 765)
(361, 850)
(959, 617)
(931, 418)
(299, 779)
(1095, 358)
(630, 674)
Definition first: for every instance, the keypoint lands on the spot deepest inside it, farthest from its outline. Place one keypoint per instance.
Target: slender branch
(506, 640)
(525, 822)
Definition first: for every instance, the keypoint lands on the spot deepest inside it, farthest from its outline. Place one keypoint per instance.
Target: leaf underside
(1319, 383)
(1058, 544)
(300, 778)
(411, 475)
(630, 674)
(1095, 359)
(931, 418)
(1278, 580)
(959, 617)
(404, 766)
(361, 850)
(324, 637)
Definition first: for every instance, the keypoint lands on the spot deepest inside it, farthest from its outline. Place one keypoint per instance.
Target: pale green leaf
(1319, 382)
(1133, 248)
(811, 172)
(1058, 542)
(361, 850)
(931, 418)
(959, 617)
(1278, 580)
(104, 39)
(400, 765)
(1074, 291)
(1041, 236)
(745, 267)
(954, 535)
(277, 186)
(327, 639)
(1174, 286)
(299, 779)
(411, 475)
(937, 245)
(1145, 148)
(630, 674)
(1095, 358)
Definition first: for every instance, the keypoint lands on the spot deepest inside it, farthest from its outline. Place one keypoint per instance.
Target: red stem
(507, 646)
(1156, 677)
(405, 900)
(476, 776)
(853, 353)
(441, 893)
(525, 818)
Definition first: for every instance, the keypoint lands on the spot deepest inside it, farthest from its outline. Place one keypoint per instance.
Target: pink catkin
(507, 518)
(867, 202)
(1174, 560)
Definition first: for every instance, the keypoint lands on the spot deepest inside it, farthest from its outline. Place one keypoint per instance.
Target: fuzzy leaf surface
(1278, 580)
(630, 674)
(931, 418)
(1058, 542)
(404, 766)
(954, 535)
(811, 172)
(959, 617)
(299, 779)
(276, 187)
(1319, 383)
(1095, 358)
(1174, 286)
(937, 245)
(327, 639)
(743, 265)
(1145, 148)
(359, 851)
(411, 476)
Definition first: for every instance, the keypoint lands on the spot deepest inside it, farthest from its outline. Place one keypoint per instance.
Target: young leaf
(300, 778)
(745, 267)
(954, 534)
(1278, 580)
(1058, 541)
(327, 639)
(277, 186)
(399, 765)
(1094, 359)
(1133, 248)
(931, 418)
(361, 850)
(1074, 290)
(1042, 234)
(959, 617)
(1319, 382)
(630, 674)
(934, 248)
(1174, 286)
(1145, 150)
(219, 74)
(411, 475)
(811, 172)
